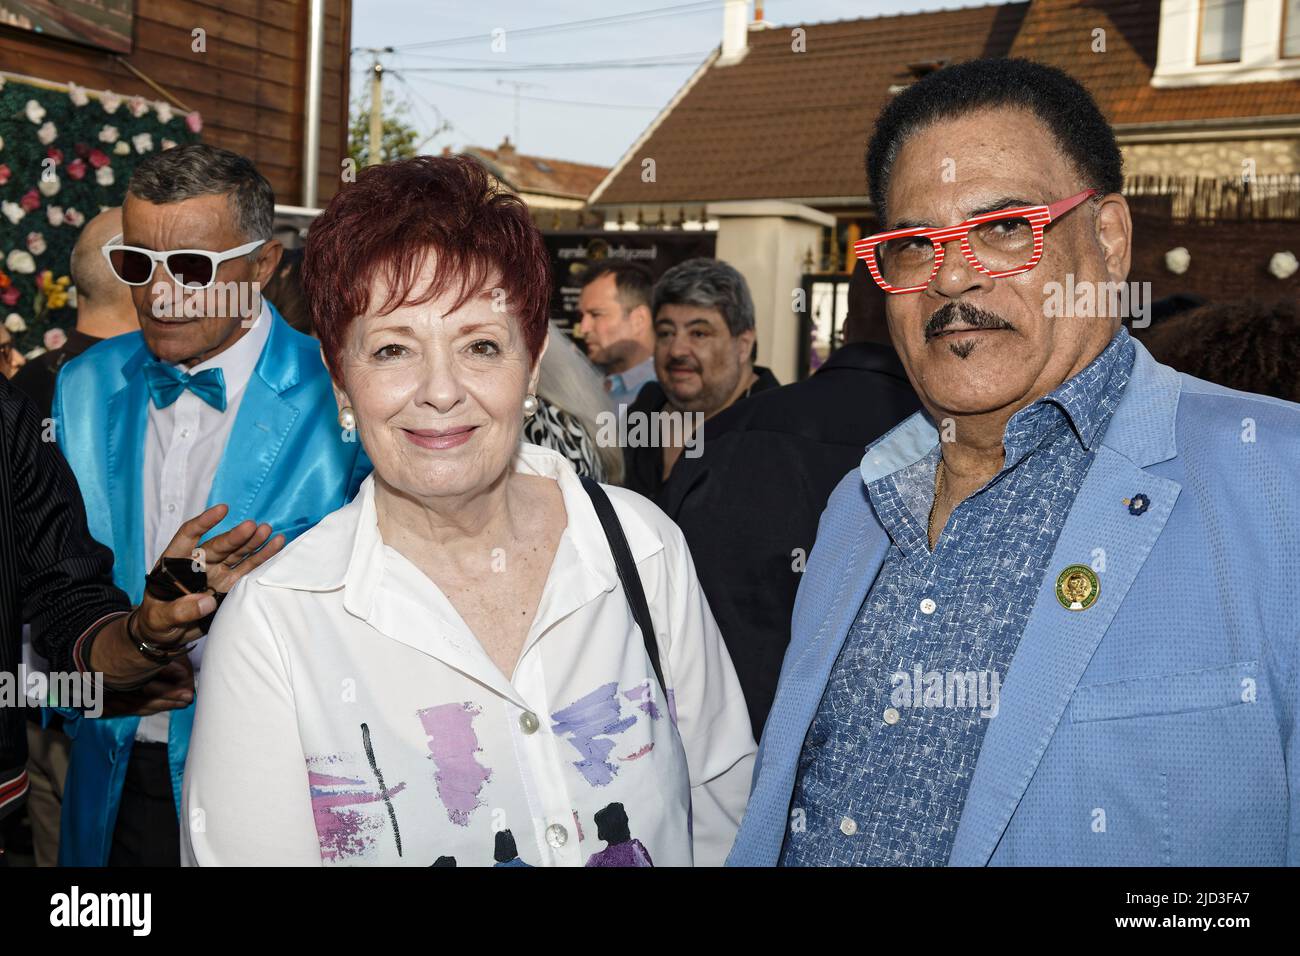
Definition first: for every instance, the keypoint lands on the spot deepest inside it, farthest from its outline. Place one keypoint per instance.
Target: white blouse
(347, 715)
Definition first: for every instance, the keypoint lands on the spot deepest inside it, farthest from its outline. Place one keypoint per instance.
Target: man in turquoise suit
(215, 401)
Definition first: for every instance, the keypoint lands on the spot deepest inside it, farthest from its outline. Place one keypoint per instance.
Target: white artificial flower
(48, 133)
(168, 144)
(108, 134)
(110, 101)
(72, 297)
(35, 243)
(2, 142)
(138, 106)
(35, 111)
(122, 148)
(1177, 260)
(77, 94)
(54, 214)
(34, 353)
(164, 111)
(12, 211)
(14, 323)
(1283, 265)
(73, 218)
(20, 261)
(104, 175)
(48, 187)
(143, 142)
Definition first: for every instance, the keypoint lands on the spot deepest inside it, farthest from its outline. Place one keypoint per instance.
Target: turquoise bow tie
(166, 382)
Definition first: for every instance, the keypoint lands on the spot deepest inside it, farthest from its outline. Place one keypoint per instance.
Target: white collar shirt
(349, 716)
(184, 445)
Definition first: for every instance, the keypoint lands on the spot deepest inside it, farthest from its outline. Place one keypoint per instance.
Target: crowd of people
(416, 579)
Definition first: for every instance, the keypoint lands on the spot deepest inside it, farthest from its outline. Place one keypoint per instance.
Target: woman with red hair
(459, 652)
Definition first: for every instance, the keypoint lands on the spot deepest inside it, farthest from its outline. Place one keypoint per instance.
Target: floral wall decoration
(64, 156)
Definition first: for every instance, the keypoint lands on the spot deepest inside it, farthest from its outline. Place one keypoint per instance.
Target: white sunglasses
(191, 268)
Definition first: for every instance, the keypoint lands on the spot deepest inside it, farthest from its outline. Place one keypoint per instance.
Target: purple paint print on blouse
(452, 746)
(643, 693)
(586, 722)
(343, 810)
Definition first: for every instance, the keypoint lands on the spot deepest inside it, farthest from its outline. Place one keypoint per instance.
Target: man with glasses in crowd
(215, 401)
(1050, 620)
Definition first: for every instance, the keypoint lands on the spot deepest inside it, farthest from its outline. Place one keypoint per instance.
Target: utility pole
(376, 113)
(519, 86)
(374, 144)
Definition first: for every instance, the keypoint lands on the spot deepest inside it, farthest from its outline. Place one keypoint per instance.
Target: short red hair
(395, 214)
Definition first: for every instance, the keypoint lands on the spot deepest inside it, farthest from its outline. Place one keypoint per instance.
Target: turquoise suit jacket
(1157, 727)
(285, 464)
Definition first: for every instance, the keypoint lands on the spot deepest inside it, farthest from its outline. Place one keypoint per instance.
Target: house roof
(539, 174)
(782, 125)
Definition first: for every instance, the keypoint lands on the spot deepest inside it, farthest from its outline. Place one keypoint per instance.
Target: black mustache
(967, 315)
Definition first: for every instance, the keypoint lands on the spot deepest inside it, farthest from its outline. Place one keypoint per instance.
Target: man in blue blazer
(215, 401)
(1051, 619)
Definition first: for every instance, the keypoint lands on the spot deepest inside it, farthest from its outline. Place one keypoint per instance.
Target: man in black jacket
(749, 505)
(704, 363)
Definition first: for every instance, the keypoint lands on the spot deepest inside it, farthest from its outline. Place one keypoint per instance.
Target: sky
(461, 91)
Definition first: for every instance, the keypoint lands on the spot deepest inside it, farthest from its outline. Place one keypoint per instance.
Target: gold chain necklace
(938, 490)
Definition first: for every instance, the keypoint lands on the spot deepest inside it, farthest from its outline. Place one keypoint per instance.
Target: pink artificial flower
(98, 158)
(10, 295)
(194, 122)
(5, 173)
(30, 201)
(82, 150)
(77, 168)
(55, 154)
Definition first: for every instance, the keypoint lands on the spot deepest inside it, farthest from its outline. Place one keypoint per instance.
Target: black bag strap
(627, 574)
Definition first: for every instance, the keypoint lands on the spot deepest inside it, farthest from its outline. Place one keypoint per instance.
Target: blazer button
(891, 716)
(556, 835)
(528, 722)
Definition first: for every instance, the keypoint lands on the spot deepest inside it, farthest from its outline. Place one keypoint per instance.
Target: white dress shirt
(184, 444)
(348, 715)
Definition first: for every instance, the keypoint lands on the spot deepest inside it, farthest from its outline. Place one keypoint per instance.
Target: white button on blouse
(347, 715)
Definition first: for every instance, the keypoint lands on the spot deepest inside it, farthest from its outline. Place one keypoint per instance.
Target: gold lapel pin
(1077, 587)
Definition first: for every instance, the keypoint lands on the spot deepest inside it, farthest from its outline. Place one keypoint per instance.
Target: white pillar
(768, 241)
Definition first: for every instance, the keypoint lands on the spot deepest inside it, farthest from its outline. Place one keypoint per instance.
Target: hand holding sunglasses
(189, 268)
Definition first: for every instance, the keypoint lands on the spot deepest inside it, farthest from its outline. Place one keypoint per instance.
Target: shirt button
(928, 606)
(528, 722)
(185, 433)
(891, 715)
(171, 509)
(556, 835)
(848, 826)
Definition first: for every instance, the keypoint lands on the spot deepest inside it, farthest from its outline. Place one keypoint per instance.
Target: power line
(539, 99)
(586, 24)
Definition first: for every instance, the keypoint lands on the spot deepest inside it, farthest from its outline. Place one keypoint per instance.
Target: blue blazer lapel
(1058, 643)
(128, 411)
(261, 428)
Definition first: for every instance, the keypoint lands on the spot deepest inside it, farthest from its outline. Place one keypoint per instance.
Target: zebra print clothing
(552, 427)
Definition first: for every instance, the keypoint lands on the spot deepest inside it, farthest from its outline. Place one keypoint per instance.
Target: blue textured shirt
(888, 759)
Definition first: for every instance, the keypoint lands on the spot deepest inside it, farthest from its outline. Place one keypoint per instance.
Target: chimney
(506, 152)
(735, 41)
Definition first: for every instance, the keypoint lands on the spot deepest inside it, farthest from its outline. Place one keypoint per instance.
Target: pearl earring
(347, 418)
(530, 406)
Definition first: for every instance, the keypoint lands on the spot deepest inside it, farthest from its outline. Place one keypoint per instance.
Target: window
(1290, 28)
(1220, 31)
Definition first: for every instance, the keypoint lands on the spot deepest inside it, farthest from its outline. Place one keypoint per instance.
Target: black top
(750, 504)
(53, 574)
(36, 378)
(643, 467)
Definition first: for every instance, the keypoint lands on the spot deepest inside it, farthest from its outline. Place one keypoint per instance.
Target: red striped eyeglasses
(1003, 243)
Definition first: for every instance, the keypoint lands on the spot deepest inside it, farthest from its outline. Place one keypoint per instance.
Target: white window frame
(1261, 47)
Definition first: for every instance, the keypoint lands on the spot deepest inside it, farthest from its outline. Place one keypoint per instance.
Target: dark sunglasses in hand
(191, 268)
